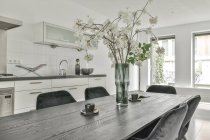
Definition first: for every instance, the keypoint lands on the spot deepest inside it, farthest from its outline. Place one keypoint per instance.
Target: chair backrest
(162, 89)
(192, 105)
(169, 125)
(53, 99)
(95, 92)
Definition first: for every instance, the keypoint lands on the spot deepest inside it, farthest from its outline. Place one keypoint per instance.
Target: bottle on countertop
(77, 67)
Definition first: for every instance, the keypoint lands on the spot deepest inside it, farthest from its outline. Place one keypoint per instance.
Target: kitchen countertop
(49, 77)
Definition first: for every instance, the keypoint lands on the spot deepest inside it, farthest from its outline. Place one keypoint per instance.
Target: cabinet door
(32, 85)
(97, 81)
(58, 34)
(7, 84)
(58, 83)
(26, 100)
(54, 35)
(76, 91)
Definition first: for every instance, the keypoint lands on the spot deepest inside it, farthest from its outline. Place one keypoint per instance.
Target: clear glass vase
(122, 83)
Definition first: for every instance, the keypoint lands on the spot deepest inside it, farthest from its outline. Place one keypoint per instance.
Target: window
(163, 61)
(201, 59)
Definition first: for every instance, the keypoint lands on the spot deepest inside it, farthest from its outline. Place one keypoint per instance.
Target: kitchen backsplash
(31, 55)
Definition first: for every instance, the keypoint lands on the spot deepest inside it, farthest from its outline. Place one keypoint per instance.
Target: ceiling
(169, 12)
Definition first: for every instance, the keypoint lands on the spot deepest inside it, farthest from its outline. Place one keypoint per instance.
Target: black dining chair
(56, 98)
(192, 105)
(95, 92)
(161, 89)
(168, 126)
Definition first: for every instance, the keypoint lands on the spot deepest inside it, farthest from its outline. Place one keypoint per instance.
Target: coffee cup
(134, 97)
(89, 107)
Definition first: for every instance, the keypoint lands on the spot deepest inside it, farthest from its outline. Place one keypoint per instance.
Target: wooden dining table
(65, 122)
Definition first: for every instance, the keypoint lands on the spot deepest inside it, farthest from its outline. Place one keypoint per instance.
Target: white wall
(183, 34)
(20, 44)
(20, 40)
(3, 50)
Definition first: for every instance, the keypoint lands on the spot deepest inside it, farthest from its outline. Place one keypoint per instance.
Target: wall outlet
(9, 61)
(14, 61)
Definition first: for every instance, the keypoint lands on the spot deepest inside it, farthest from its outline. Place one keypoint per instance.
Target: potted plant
(121, 37)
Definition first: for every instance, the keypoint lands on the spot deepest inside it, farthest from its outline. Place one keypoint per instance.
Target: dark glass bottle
(77, 67)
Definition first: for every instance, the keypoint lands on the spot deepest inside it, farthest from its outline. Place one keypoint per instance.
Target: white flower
(113, 28)
(88, 57)
(153, 20)
(136, 50)
(148, 30)
(126, 16)
(125, 30)
(90, 21)
(118, 35)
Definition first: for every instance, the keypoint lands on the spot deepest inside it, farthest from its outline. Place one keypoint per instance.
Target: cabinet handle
(72, 88)
(36, 93)
(35, 82)
(97, 79)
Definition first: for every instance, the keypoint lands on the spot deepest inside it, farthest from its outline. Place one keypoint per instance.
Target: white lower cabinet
(26, 100)
(26, 92)
(97, 82)
(7, 84)
(76, 91)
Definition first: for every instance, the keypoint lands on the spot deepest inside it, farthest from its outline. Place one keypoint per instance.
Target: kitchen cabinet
(76, 91)
(97, 82)
(32, 85)
(55, 36)
(7, 84)
(76, 87)
(26, 100)
(27, 91)
(69, 82)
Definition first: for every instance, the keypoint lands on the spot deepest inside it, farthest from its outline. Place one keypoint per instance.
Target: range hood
(9, 23)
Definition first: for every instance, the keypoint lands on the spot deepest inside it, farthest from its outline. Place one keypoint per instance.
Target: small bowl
(87, 71)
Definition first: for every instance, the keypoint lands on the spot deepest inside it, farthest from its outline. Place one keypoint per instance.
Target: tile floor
(200, 124)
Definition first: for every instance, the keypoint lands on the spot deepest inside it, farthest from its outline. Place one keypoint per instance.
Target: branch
(142, 11)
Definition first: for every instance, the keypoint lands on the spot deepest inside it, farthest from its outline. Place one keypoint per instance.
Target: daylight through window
(163, 61)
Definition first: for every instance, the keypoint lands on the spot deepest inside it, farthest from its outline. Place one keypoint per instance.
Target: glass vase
(122, 83)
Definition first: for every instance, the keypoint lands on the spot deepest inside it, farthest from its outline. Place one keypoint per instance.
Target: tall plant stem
(142, 10)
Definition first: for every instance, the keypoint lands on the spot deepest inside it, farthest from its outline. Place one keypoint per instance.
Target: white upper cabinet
(55, 36)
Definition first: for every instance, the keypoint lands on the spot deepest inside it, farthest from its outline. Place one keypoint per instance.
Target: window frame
(194, 34)
(161, 37)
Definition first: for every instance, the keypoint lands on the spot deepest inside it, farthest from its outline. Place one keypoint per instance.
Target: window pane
(202, 59)
(163, 62)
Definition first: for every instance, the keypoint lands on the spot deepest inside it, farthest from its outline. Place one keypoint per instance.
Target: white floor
(200, 124)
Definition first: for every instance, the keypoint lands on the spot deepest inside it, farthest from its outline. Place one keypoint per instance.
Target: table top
(65, 122)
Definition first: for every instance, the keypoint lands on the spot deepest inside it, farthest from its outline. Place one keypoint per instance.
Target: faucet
(62, 71)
